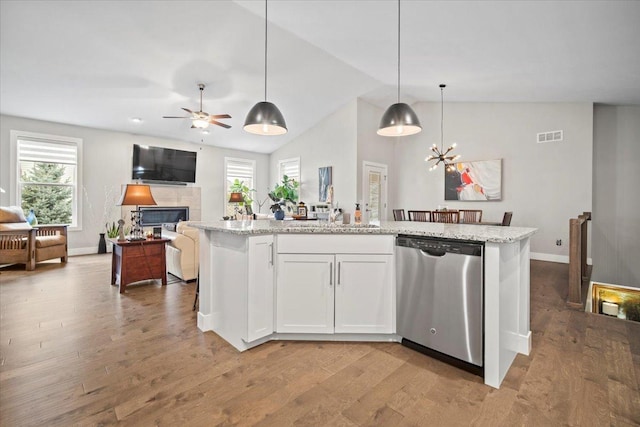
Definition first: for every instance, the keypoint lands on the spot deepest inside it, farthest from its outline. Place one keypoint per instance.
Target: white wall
(107, 165)
(543, 184)
(375, 148)
(616, 204)
(332, 142)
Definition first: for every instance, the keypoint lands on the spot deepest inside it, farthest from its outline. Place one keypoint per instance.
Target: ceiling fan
(201, 119)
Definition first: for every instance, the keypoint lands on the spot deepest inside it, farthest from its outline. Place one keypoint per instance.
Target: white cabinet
(335, 292)
(305, 293)
(363, 294)
(237, 287)
(260, 287)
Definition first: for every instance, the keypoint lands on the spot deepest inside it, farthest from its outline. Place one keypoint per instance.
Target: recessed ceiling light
(136, 119)
(205, 132)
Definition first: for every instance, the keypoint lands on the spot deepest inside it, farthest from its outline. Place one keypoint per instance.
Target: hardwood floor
(76, 352)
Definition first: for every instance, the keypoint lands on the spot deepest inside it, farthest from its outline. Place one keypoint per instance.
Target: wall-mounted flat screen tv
(163, 164)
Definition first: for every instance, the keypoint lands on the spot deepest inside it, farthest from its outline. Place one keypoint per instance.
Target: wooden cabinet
(133, 261)
(335, 293)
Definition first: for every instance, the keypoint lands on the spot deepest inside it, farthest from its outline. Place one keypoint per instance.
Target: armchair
(22, 244)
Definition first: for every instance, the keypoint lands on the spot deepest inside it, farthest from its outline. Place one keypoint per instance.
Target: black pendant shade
(265, 119)
(399, 120)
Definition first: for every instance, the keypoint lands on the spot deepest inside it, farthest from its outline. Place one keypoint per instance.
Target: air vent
(553, 136)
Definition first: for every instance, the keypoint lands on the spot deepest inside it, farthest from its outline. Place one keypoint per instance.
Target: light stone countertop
(480, 233)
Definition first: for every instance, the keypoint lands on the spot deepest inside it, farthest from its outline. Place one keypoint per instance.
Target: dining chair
(450, 217)
(398, 215)
(470, 215)
(422, 216)
(506, 219)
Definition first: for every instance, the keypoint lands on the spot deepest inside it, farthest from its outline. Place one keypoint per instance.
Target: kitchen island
(299, 280)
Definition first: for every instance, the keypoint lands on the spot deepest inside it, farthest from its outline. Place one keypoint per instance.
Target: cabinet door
(305, 293)
(365, 294)
(260, 288)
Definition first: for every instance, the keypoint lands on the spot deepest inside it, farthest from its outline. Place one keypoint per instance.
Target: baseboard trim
(83, 251)
(539, 256)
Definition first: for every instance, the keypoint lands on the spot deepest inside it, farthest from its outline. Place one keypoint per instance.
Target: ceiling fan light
(399, 120)
(265, 119)
(200, 123)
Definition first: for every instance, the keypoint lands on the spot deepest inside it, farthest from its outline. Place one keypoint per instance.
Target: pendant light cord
(398, 51)
(441, 118)
(265, 50)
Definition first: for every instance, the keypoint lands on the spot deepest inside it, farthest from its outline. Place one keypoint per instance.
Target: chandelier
(440, 155)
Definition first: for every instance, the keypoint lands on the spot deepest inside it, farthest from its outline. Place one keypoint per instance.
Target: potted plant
(631, 307)
(238, 187)
(286, 192)
(113, 230)
(276, 208)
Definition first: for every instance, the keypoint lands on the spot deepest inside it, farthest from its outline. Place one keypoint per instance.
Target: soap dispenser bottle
(357, 216)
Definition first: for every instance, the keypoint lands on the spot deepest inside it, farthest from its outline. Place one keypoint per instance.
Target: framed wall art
(324, 180)
(474, 181)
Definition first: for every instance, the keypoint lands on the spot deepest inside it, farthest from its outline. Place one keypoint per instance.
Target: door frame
(385, 185)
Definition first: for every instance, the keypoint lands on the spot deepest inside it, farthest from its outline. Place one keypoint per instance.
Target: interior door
(374, 191)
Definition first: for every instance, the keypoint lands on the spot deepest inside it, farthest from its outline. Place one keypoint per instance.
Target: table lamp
(236, 198)
(136, 194)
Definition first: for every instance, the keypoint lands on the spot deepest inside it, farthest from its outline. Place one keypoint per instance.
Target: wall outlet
(559, 242)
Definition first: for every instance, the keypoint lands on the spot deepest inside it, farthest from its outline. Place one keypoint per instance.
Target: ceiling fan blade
(214, 122)
(187, 110)
(220, 116)
(175, 117)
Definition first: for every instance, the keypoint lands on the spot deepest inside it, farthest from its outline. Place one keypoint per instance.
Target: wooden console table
(133, 261)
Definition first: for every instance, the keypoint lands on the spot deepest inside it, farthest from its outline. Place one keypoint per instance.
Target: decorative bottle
(31, 218)
(357, 216)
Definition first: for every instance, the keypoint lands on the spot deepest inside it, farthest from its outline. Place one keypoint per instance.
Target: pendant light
(399, 119)
(440, 154)
(265, 118)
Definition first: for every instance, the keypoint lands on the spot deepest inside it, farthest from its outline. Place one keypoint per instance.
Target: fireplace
(162, 215)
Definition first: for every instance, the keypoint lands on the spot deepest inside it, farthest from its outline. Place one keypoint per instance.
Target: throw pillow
(11, 214)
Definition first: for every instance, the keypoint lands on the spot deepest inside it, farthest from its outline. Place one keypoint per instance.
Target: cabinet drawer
(142, 250)
(331, 244)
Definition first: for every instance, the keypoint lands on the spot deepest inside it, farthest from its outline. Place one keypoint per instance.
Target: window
(289, 168)
(47, 177)
(238, 172)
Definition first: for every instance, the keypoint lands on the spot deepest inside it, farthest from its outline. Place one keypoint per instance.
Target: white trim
(290, 160)
(14, 135)
(225, 201)
(550, 257)
(385, 184)
(539, 256)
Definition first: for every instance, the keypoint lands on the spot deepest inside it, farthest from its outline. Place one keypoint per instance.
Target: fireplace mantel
(172, 196)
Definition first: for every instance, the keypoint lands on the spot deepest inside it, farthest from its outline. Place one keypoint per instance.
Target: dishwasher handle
(433, 253)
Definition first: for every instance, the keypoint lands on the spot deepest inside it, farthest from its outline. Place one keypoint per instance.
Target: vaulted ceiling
(101, 63)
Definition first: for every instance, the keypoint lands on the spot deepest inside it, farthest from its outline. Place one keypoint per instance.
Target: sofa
(20, 243)
(183, 251)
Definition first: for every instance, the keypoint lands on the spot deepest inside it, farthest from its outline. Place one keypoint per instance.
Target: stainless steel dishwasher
(440, 298)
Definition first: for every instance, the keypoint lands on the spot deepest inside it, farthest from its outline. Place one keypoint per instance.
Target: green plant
(238, 187)
(287, 190)
(631, 307)
(112, 230)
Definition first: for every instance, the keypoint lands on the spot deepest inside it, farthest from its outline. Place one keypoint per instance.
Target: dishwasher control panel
(440, 246)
